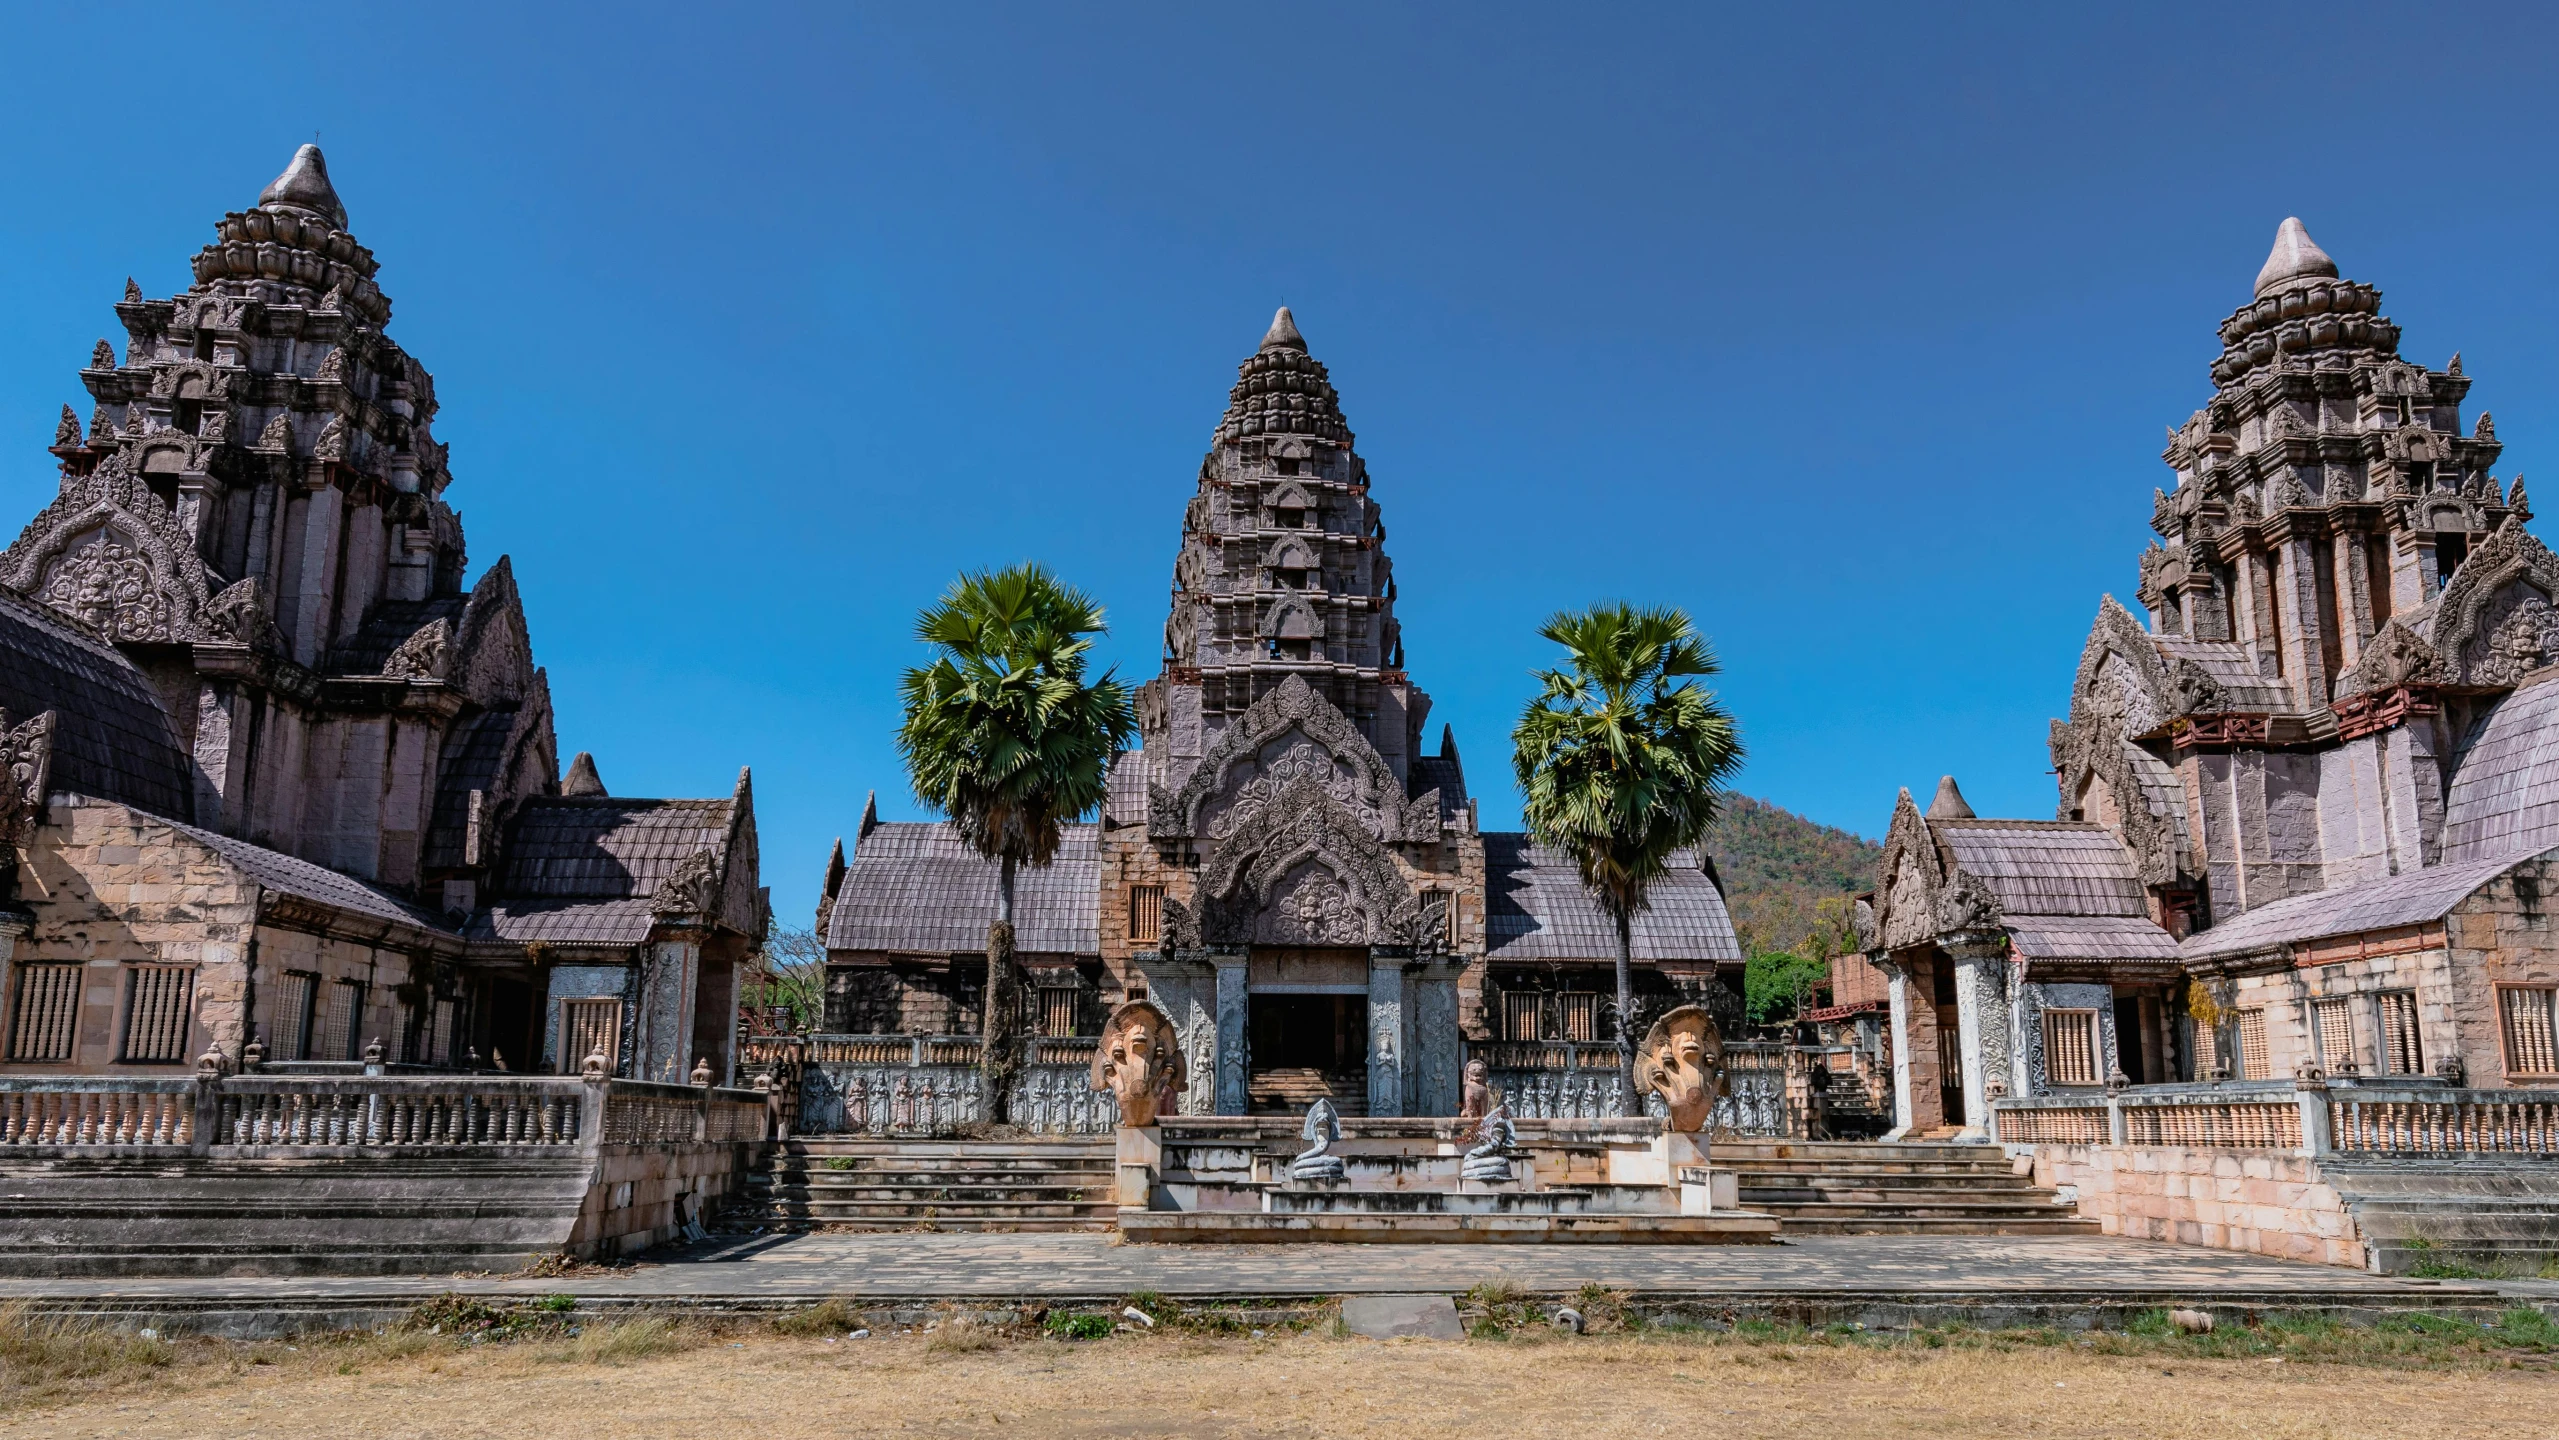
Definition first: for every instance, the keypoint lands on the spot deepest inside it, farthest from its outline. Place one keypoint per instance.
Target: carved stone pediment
(1289, 736)
(2394, 656)
(691, 888)
(1305, 870)
(425, 655)
(1965, 903)
(110, 557)
(2493, 623)
(2121, 675)
(1906, 905)
(244, 614)
(2090, 755)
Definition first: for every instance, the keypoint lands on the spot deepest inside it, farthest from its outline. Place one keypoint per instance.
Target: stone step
(1907, 1210)
(981, 1209)
(959, 1223)
(973, 1151)
(1766, 1195)
(1797, 1225)
(942, 1195)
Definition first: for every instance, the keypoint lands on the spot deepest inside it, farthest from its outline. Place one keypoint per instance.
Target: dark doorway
(1950, 1042)
(2129, 1053)
(1304, 1046)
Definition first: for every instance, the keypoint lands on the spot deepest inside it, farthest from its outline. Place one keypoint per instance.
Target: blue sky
(1853, 330)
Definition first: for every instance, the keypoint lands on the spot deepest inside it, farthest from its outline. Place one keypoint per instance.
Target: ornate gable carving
(1288, 736)
(2394, 656)
(26, 763)
(2088, 750)
(2493, 623)
(109, 556)
(2121, 675)
(1906, 907)
(1305, 870)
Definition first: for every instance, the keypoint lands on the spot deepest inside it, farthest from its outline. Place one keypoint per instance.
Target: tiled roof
(1124, 795)
(112, 738)
(2046, 867)
(388, 628)
(473, 754)
(2504, 796)
(920, 889)
(2235, 670)
(306, 881)
(604, 848)
(2413, 898)
(1537, 909)
(2091, 937)
(1430, 772)
(565, 922)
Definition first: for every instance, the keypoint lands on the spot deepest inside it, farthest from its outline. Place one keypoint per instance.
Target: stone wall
(2266, 1204)
(646, 1195)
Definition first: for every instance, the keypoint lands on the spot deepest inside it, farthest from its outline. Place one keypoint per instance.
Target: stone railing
(1579, 1080)
(260, 1114)
(2307, 1117)
(926, 1086)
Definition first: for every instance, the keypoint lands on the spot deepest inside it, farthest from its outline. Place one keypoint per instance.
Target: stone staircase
(940, 1184)
(1875, 1188)
(1286, 1091)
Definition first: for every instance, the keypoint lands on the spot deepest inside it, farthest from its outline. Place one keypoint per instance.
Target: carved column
(1897, 992)
(1233, 1058)
(1386, 1038)
(1981, 1016)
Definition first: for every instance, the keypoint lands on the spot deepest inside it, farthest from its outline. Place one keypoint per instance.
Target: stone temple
(1285, 865)
(277, 777)
(2308, 801)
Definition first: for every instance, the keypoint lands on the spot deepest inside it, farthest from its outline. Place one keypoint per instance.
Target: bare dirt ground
(651, 1380)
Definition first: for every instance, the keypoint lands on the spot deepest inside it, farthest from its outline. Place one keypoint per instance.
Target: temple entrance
(1304, 1046)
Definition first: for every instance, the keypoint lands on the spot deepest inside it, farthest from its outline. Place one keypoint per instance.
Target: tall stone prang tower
(1283, 569)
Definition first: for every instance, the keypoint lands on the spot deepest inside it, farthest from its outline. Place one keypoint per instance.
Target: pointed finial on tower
(102, 427)
(2455, 367)
(2295, 257)
(2486, 429)
(583, 782)
(304, 185)
(67, 433)
(102, 356)
(2516, 502)
(132, 292)
(1949, 804)
(1447, 742)
(870, 819)
(1283, 333)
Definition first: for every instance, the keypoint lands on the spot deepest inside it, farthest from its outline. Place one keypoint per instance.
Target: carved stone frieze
(1304, 870)
(26, 762)
(1287, 736)
(108, 555)
(2487, 627)
(2121, 674)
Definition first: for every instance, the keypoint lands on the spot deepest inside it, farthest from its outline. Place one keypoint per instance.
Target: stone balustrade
(1579, 1080)
(261, 1114)
(927, 1086)
(2308, 1117)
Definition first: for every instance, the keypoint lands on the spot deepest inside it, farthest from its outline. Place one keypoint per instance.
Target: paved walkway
(768, 1270)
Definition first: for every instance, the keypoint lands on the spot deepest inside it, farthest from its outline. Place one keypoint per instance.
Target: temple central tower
(1283, 571)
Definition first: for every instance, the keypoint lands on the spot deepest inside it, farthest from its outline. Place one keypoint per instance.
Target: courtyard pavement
(759, 1271)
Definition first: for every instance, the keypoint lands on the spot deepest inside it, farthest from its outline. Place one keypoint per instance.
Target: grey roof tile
(2235, 670)
(606, 847)
(1537, 909)
(2504, 795)
(300, 878)
(2412, 898)
(1124, 797)
(2046, 867)
(565, 922)
(2092, 937)
(919, 888)
(112, 737)
(474, 753)
(388, 628)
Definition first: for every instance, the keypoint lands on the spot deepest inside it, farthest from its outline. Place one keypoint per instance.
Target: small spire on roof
(583, 782)
(1447, 742)
(870, 818)
(304, 185)
(2455, 367)
(132, 291)
(834, 882)
(2515, 500)
(2295, 257)
(1949, 804)
(67, 433)
(1283, 333)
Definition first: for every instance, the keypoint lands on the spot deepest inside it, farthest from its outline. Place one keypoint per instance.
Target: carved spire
(2455, 367)
(1283, 333)
(2516, 502)
(132, 291)
(102, 357)
(305, 186)
(1949, 804)
(834, 882)
(66, 433)
(583, 783)
(2295, 257)
(870, 819)
(2486, 429)
(102, 428)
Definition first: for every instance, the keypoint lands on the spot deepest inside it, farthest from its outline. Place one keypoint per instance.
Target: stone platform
(1418, 1225)
(1876, 1281)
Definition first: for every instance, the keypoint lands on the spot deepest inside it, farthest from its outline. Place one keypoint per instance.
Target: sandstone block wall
(643, 1195)
(2278, 1205)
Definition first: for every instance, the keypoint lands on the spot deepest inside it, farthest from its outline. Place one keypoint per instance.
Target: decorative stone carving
(1303, 830)
(1323, 1127)
(244, 615)
(26, 763)
(425, 655)
(691, 888)
(1139, 1062)
(1358, 776)
(108, 555)
(1489, 1159)
(2525, 641)
(2501, 573)
(1478, 1099)
(277, 437)
(1682, 1061)
(1966, 904)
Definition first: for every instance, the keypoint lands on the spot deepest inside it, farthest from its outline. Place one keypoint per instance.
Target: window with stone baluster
(158, 1008)
(1579, 1014)
(2254, 1062)
(2332, 1020)
(288, 1023)
(2070, 1047)
(45, 1017)
(1145, 914)
(1519, 1017)
(2527, 1015)
(337, 1038)
(2403, 1050)
(590, 1027)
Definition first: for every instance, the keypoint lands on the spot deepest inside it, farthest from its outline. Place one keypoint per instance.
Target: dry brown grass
(650, 1379)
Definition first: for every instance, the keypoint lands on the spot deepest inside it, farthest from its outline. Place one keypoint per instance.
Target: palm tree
(1003, 735)
(1621, 762)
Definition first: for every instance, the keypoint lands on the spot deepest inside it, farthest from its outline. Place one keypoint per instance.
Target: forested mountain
(1777, 866)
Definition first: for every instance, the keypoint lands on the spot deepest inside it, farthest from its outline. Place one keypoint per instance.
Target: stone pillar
(1233, 1057)
(665, 1028)
(1981, 1017)
(1386, 1040)
(307, 607)
(1897, 996)
(1435, 1047)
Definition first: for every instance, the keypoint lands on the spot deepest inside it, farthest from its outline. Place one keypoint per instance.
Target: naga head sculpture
(1682, 1060)
(1139, 1061)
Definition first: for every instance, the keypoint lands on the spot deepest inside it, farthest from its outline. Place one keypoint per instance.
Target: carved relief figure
(1682, 1061)
(106, 584)
(1477, 1100)
(1139, 1062)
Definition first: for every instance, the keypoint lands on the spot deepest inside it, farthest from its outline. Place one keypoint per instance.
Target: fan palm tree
(1004, 735)
(1621, 760)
